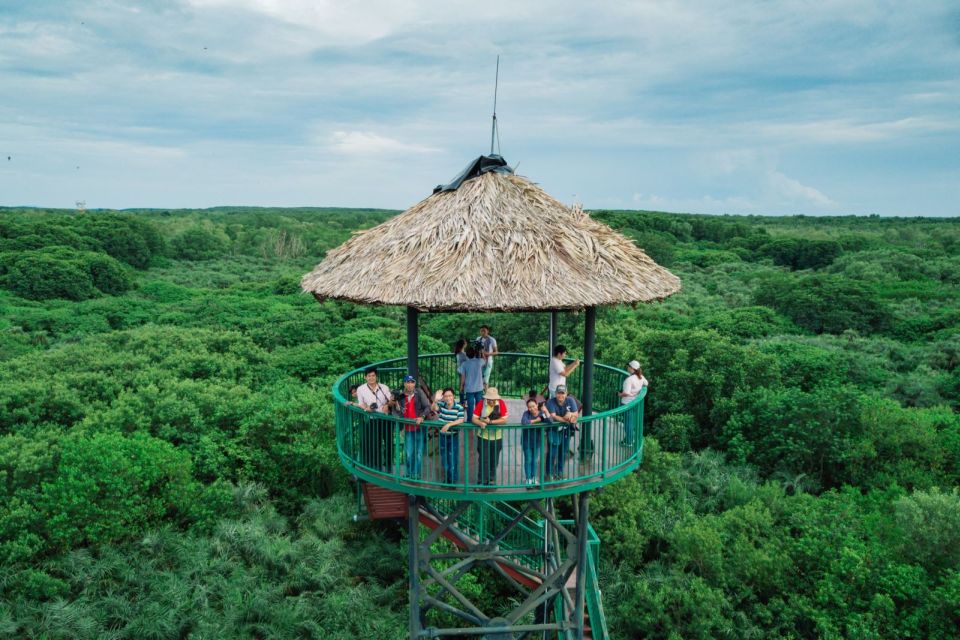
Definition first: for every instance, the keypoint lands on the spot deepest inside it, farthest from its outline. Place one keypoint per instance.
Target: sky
(815, 107)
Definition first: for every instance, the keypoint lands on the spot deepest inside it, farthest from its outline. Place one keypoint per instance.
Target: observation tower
(492, 241)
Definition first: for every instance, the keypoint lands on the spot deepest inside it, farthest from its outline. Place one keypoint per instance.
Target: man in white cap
(632, 386)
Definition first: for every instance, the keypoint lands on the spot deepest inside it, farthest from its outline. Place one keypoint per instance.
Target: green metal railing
(489, 463)
(594, 601)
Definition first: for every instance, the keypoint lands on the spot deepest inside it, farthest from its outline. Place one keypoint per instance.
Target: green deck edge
(568, 486)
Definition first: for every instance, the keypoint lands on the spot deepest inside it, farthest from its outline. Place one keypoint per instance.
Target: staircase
(483, 517)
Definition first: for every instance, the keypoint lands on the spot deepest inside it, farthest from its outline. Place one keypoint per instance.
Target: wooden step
(384, 503)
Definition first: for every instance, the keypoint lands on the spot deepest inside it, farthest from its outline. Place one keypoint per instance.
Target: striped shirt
(449, 414)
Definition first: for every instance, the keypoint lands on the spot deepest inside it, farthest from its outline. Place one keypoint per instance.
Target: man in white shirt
(376, 434)
(559, 370)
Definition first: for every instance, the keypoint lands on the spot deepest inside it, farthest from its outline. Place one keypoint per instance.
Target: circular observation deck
(605, 446)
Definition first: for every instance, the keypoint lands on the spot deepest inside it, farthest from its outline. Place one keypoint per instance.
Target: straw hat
(492, 394)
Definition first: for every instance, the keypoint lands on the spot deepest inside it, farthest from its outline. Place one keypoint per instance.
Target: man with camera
(376, 435)
(413, 405)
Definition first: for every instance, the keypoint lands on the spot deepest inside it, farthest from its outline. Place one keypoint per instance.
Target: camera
(374, 406)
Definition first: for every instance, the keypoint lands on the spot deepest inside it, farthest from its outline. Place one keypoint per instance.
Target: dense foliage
(168, 465)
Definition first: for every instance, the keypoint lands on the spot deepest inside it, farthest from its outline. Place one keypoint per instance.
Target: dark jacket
(421, 406)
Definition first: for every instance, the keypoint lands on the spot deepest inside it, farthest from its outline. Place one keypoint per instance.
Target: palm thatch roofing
(495, 242)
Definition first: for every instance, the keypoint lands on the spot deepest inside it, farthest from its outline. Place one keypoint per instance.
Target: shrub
(930, 522)
(63, 272)
(36, 275)
(198, 244)
(658, 246)
(108, 275)
(124, 237)
(825, 303)
(799, 253)
(674, 431)
(749, 322)
(109, 487)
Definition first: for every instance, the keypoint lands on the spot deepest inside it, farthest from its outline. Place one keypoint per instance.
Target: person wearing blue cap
(413, 405)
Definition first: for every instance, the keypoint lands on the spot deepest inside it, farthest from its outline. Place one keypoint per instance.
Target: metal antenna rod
(493, 130)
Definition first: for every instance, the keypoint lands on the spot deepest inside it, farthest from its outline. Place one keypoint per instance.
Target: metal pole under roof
(413, 340)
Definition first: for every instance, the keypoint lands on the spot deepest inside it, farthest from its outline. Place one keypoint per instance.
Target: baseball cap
(409, 378)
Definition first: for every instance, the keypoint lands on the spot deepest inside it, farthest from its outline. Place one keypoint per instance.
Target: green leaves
(109, 485)
(825, 304)
(198, 243)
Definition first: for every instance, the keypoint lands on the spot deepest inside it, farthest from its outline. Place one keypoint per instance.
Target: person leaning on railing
(413, 405)
(492, 411)
(531, 437)
(353, 396)
(563, 412)
(376, 434)
(450, 413)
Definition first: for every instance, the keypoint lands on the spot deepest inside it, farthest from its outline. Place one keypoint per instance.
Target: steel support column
(413, 340)
(589, 341)
(583, 515)
(553, 331)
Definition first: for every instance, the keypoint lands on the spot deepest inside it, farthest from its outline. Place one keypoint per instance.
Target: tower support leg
(545, 564)
(413, 560)
(583, 514)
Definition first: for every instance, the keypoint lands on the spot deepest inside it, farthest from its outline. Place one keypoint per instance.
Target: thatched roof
(496, 243)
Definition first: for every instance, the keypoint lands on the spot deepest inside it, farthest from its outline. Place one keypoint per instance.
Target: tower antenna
(493, 129)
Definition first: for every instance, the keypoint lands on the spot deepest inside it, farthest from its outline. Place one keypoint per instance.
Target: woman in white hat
(487, 416)
(632, 386)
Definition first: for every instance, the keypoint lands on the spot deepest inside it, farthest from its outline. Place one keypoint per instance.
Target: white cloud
(793, 191)
(849, 131)
(367, 143)
(341, 22)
